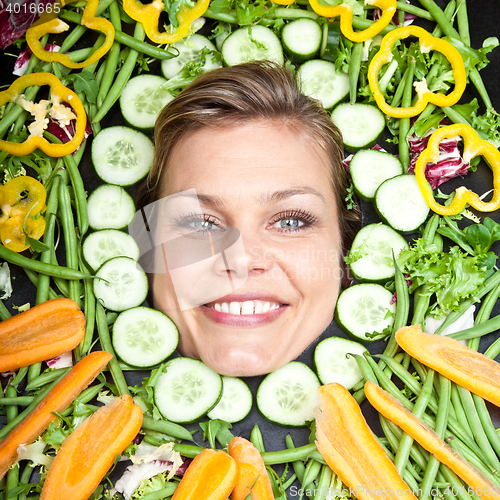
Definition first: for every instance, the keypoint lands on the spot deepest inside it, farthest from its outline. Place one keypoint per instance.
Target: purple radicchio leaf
(346, 161)
(17, 17)
(66, 132)
(24, 57)
(449, 165)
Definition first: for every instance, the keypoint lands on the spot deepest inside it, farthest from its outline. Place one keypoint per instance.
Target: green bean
(477, 429)
(25, 479)
(298, 466)
(161, 494)
(362, 24)
(404, 123)
(463, 22)
(421, 305)
(487, 306)
(256, 439)
(70, 240)
(419, 408)
(366, 370)
(325, 478)
(17, 401)
(386, 78)
(12, 482)
(432, 467)
(111, 63)
(313, 468)
(79, 192)
(449, 11)
(493, 350)
(84, 397)
(405, 376)
(354, 67)
(4, 312)
(284, 456)
(89, 310)
(289, 482)
(42, 291)
(122, 77)
(35, 279)
(430, 230)
(486, 423)
(46, 378)
(105, 339)
(187, 450)
(166, 427)
(488, 326)
(411, 9)
(21, 374)
(402, 302)
(455, 483)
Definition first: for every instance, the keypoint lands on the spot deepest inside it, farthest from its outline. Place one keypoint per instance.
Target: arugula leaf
(85, 82)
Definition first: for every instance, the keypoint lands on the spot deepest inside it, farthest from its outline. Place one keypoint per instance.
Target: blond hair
(238, 94)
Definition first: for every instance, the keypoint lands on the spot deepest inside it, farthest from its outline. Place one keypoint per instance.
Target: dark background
(484, 20)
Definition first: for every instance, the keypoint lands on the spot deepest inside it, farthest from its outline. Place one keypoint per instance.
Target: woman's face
(274, 186)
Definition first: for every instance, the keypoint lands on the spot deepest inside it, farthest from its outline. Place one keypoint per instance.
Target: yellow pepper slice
(388, 8)
(425, 96)
(19, 197)
(473, 146)
(48, 24)
(149, 14)
(59, 93)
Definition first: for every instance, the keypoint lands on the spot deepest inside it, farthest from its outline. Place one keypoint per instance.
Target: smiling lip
(245, 320)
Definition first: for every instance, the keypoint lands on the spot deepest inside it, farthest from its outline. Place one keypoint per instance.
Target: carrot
(89, 451)
(46, 330)
(351, 450)
(253, 477)
(212, 475)
(390, 408)
(457, 362)
(60, 396)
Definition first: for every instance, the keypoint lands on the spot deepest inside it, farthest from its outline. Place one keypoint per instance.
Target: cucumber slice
(235, 403)
(252, 44)
(301, 39)
(123, 284)
(330, 44)
(319, 79)
(371, 254)
(122, 156)
(400, 203)
(365, 312)
(142, 99)
(187, 390)
(189, 50)
(144, 337)
(288, 395)
(103, 245)
(110, 207)
(369, 168)
(361, 124)
(333, 363)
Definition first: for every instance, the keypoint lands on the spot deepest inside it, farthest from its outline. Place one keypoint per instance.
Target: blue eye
(290, 223)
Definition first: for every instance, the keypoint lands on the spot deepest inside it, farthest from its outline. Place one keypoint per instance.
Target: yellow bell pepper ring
(48, 24)
(388, 8)
(473, 146)
(59, 93)
(425, 96)
(21, 201)
(149, 14)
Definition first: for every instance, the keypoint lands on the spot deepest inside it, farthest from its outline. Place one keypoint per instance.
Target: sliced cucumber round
(144, 337)
(301, 39)
(288, 395)
(319, 79)
(187, 390)
(369, 168)
(333, 363)
(235, 403)
(361, 124)
(365, 312)
(122, 156)
(190, 50)
(110, 207)
(123, 284)
(142, 99)
(252, 44)
(372, 251)
(105, 244)
(400, 203)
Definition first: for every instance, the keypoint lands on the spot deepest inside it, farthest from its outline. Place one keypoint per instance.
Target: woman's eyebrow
(266, 199)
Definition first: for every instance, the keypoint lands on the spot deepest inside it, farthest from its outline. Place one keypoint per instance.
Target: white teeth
(234, 308)
(247, 307)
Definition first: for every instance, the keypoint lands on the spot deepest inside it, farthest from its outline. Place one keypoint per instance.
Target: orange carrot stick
(449, 357)
(210, 476)
(60, 396)
(46, 330)
(351, 450)
(89, 451)
(388, 406)
(254, 479)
